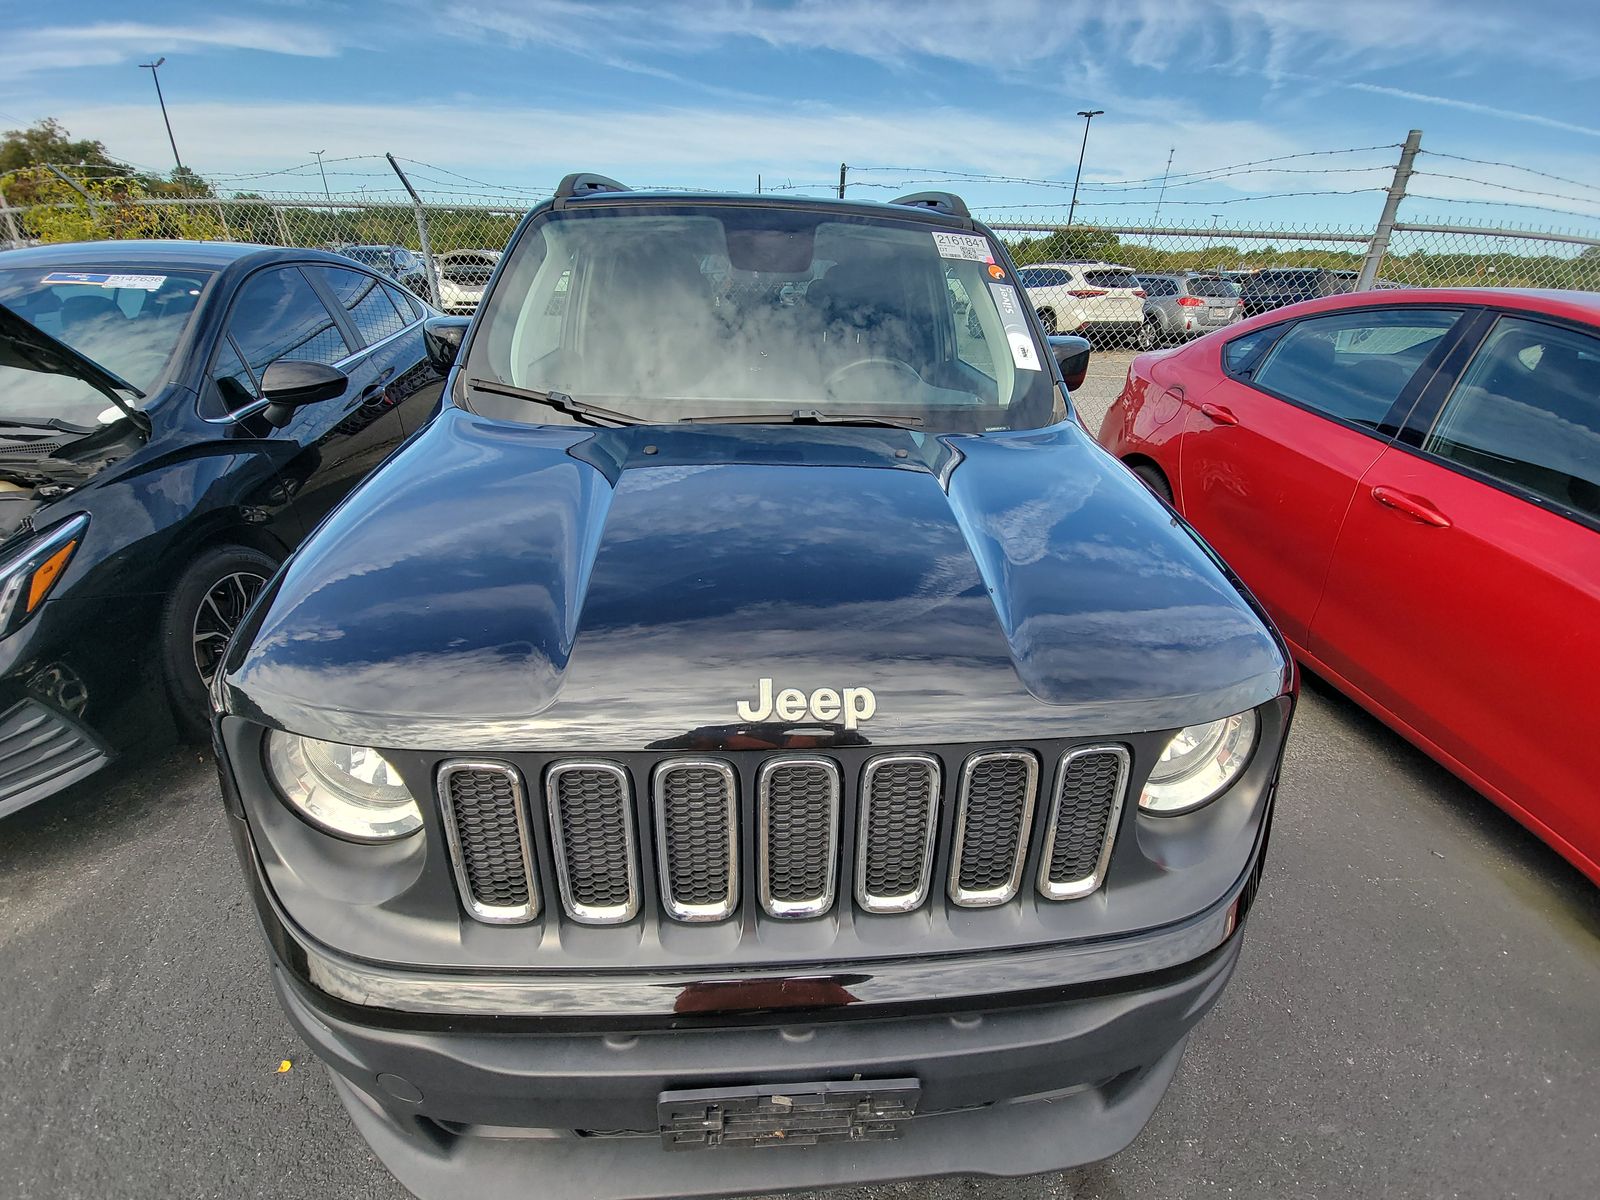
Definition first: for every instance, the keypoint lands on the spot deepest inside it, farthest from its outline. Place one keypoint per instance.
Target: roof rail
(586, 183)
(948, 203)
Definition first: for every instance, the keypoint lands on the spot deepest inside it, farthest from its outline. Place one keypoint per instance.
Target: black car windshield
(703, 310)
(128, 319)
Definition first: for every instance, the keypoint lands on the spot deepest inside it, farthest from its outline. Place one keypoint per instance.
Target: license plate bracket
(789, 1114)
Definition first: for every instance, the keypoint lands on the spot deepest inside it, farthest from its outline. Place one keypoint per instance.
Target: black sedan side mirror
(290, 385)
(1072, 353)
(442, 338)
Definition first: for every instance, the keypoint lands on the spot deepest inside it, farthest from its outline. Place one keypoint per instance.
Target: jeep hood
(508, 587)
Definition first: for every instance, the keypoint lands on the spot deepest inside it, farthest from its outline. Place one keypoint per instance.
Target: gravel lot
(1417, 1012)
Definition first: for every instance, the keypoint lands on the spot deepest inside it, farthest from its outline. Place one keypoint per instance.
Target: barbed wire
(1484, 162)
(1507, 187)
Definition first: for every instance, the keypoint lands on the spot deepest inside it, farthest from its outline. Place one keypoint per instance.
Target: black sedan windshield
(706, 311)
(126, 319)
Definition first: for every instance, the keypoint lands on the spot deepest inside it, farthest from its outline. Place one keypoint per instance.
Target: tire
(1047, 318)
(1152, 477)
(205, 607)
(1148, 337)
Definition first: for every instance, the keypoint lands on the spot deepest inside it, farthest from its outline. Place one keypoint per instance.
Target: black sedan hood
(505, 587)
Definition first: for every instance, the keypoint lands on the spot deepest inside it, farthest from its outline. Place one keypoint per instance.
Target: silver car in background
(1180, 306)
(462, 277)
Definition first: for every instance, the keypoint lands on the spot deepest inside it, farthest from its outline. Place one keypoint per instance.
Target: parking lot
(1414, 1015)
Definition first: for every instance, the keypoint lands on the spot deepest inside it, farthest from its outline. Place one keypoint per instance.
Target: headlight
(349, 791)
(1198, 763)
(27, 576)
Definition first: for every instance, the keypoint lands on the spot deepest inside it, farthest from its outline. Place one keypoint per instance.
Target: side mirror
(290, 385)
(442, 337)
(1072, 354)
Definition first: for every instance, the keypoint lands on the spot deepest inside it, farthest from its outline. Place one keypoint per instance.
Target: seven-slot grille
(694, 807)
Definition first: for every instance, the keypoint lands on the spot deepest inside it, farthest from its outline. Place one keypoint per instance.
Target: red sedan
(1409, 481)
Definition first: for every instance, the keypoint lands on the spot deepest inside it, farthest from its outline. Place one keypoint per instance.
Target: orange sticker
(996, 271)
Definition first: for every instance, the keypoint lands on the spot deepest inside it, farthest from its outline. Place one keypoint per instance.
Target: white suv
(1100, 300)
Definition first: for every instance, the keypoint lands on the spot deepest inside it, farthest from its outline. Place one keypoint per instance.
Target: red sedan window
(1353, 365)
(1527, 412)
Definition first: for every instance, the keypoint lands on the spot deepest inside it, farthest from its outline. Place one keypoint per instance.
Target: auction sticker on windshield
(1016, 326)
(146, 283)
(967, 246)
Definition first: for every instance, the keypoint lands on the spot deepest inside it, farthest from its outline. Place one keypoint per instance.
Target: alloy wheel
(219, 614)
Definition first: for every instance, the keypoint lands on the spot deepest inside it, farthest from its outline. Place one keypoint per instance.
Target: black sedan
(174, 418)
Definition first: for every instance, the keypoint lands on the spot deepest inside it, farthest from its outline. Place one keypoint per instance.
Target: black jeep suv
(752, 737)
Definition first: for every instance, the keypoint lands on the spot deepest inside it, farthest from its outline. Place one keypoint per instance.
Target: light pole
(155, 74)
(1088, 115)
(323, 171)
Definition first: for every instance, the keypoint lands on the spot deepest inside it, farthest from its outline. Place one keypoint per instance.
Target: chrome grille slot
(592, 835)
(798, 817)
(697, 838)
(486, 826)
(994, 812)
(1090, 785)
(899, 805)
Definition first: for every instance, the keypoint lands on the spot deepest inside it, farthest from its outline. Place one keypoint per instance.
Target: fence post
(94, 209)
(842, 169)
(1379, 246)
(13, 230)
(422, 232)
(283, 226)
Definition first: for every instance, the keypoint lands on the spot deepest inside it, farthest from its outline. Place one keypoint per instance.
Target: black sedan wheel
(205, 608)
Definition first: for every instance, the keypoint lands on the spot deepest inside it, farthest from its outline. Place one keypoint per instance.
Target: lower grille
(798, 818)
(41, 751)
(1083, 820)
(697, 838)
(994, 815)
(485, 821)
(899, 817)
(591, 832)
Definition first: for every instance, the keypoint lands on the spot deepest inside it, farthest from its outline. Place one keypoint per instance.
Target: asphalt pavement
(1417, 1011)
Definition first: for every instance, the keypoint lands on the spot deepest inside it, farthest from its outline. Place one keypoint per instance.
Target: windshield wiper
(811, 416)
(589, 414)
(45, 423)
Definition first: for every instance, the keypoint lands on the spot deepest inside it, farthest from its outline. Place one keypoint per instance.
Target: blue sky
(713, 92)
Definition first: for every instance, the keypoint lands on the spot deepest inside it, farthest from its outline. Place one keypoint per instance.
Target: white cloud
(1271, 37)
(110, 43)
(1474, 106)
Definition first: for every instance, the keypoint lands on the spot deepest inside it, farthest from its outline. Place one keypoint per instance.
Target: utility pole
(1162, 194)
(155, 73)
(1087, 115)
(325, 192)
(842, 170)
(1379, 246)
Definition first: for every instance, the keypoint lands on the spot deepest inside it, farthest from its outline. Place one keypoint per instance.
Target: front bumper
(1021, 1072)
(1005, 1092)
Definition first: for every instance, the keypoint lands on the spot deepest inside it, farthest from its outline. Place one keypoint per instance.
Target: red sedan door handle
(1414, 507)
(1220, 415)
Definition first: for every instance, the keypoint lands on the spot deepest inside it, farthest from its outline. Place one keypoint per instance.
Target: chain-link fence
(1120, 284)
